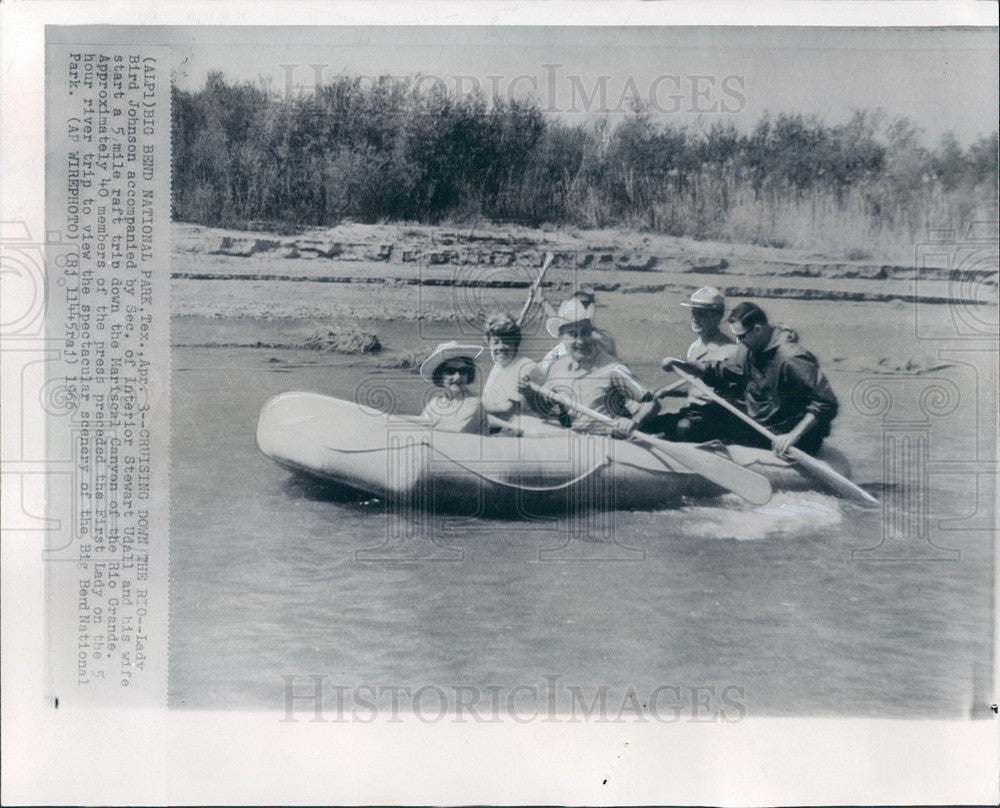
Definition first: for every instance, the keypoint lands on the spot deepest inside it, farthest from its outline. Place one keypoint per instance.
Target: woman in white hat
(455, 409)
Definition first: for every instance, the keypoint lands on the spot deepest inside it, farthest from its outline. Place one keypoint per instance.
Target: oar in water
(534, 289)
(750, 485)
(809, 464)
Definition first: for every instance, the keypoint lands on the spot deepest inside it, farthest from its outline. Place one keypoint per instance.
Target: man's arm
(728, 375)
(542, 406)
(781, 443)
(644, 404)
(804, 379)
(693, 367)
(647, 410)
(801, 373)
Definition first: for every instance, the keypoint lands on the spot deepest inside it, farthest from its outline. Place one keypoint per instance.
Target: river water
(811, 611)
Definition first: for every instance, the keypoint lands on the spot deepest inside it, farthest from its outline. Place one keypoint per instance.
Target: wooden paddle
(809, 464)
(534, 289)
(750, 485)
(664, 391)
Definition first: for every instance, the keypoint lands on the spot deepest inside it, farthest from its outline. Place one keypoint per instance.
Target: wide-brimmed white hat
(444, 352)
(571, 311)
(708, 297)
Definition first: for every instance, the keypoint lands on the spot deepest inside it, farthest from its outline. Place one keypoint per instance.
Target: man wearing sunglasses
(780, 384)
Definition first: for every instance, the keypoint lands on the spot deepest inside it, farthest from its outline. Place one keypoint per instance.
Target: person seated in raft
(781, 384)
(587, 297)
(592, 377)
(698, 419)
(455, 409)
(503, 401)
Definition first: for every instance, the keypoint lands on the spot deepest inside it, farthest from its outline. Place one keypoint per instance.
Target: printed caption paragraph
(109, 130)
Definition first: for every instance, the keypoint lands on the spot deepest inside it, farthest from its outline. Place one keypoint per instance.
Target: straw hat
(444, 352)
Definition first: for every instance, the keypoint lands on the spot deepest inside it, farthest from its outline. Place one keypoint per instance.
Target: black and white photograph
(564, 378)
(589, 368)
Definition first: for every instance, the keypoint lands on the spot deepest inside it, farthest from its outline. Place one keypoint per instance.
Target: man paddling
(591, 377)
(586, 296)
(698, 420)
(781, 384)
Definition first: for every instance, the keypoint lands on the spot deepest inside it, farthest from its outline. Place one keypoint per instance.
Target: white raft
(400, 459)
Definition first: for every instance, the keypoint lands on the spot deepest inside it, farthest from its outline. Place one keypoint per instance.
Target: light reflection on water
(274, 575)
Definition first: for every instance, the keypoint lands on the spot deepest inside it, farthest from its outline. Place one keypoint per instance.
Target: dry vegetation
(385, 152)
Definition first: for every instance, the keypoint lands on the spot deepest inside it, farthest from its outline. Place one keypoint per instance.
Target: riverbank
(254, 289)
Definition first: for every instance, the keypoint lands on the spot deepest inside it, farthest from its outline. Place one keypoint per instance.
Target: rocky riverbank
(334, 290)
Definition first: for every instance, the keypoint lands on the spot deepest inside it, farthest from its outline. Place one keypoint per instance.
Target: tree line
(384, 151)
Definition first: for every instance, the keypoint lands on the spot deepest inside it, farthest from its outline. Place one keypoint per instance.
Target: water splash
(789, 513)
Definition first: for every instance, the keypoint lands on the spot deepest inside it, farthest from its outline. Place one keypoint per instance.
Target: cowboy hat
(571, 311)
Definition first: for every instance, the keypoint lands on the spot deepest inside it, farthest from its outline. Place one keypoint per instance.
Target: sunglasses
(456, 367)
(745, 335)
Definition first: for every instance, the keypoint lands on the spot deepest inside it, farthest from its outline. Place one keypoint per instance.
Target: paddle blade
(753, 487)
(837, 482)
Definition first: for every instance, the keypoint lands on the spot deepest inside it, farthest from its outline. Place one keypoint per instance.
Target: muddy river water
(710, 609)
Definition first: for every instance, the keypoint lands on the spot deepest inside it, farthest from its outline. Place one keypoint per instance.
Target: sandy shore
(508, 258)
(257, 289)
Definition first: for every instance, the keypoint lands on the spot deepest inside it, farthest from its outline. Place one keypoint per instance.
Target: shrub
(386, 150)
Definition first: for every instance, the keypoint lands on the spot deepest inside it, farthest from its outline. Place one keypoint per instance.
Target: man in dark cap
(781, 385)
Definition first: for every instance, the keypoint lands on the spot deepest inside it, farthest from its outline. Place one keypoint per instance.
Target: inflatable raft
(400, 459)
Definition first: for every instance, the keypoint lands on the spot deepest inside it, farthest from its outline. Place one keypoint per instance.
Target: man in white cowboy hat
(456, 408)
(700, 417)
(592, 377)
(587, 296)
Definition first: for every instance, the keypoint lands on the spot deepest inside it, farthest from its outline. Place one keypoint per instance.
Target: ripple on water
(788, 514)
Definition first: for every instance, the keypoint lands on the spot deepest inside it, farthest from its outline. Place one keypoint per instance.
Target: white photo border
(159, 756)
